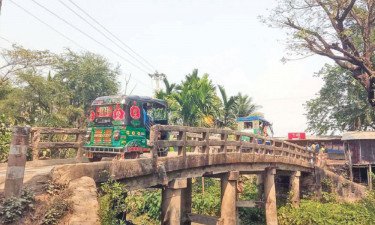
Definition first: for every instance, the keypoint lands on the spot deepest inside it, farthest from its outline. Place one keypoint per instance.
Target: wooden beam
(203, 219)
(247, 204)
(43, 145)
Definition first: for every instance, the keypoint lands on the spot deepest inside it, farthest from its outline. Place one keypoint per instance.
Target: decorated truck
(119, 126)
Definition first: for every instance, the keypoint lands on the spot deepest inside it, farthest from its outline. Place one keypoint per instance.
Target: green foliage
(341, 104)
(59, 92)
(194, 102)
(56, 211)
(209, 202)
(112, 202)
(244, 105)
(14, 208)
(228, 117)
(5, 138)
(145, 203)
(313, 212)
(251, 216)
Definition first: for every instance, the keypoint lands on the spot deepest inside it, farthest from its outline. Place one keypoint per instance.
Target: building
(360, 152)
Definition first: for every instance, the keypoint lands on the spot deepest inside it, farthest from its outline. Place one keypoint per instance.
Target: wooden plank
(58, 145)
(248, 204)
(195, 143)
(216, 142)
(202, 219)
(49, 130)
(170, 143)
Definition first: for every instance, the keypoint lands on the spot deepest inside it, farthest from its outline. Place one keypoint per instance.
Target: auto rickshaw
(119, 126)
(255, 125)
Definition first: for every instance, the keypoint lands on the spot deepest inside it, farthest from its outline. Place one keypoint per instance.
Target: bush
(56, 211)
(313, 212)
(210, 202)
(112, 203)
(14, 208)
(5, 138)
(145, 204)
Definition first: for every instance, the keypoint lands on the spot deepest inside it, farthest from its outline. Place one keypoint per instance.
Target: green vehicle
(119, 126)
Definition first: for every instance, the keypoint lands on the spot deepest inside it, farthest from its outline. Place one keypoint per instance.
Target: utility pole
(157, 77)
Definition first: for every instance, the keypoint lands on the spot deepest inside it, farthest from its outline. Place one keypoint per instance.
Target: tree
(30, 95)
(196, 101)
(87, 76)
(20, 59)
(228, 108)
(341, 30)
(244, 105)
(340, 105)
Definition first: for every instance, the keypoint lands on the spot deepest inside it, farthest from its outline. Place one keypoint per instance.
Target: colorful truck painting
(120, 126)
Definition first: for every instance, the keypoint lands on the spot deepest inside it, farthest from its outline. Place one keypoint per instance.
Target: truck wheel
(95, 158)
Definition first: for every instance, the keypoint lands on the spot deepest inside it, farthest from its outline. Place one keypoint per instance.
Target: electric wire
(102, 33)
(113, 35)
(37, 18)
(87, 35)
(7, 40)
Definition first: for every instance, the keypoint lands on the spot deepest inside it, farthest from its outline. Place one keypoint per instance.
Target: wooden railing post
(154, 136)
(80, 139)
(223, 148)
(182, 149)
(35, 144)
(239, 147)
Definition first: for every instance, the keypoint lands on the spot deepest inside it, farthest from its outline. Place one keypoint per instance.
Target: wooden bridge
(203, 152)
(200, 152)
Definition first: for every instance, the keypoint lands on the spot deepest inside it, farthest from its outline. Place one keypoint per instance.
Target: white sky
(222, 38)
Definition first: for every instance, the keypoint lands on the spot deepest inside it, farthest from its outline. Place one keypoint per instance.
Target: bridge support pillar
(186, 202)
(229, 197)
(260, 184)
(270, 196)
(294, 188)
(172, 202)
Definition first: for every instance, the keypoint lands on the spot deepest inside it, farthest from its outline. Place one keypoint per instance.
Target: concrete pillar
(171, 203)
(16, 161)
(369, 180)
(270, 196)
(260, 185)
(294, 188)
(229, 197)
(186, 202)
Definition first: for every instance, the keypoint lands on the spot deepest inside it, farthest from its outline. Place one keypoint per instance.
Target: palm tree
(245, 105)
(228, 106)
(196, 100)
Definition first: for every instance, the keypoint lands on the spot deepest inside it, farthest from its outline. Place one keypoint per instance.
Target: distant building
(360, 151)
(333, 144)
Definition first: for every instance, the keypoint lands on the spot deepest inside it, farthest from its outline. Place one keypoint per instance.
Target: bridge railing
(56, 138)
(213, 141)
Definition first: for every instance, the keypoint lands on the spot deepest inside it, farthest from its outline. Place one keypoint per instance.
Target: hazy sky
(222, 38)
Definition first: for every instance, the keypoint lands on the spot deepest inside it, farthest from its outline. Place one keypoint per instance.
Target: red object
(118, 114)
(297, 136)
(116, 135)
(104, 111)
(88, 136)
(92, 116)
(135, 112)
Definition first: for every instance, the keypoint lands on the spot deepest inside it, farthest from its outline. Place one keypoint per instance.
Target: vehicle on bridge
(255, 125)
(120, 126)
